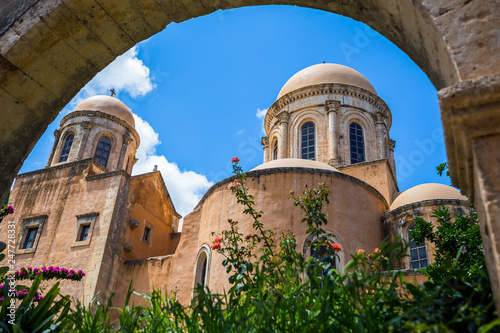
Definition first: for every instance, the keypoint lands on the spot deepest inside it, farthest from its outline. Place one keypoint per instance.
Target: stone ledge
(62, 166)
(108, 174)
(146, 260)
(425, 203)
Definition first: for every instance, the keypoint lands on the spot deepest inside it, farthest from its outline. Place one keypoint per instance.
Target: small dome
(109, 105)
(423, 192)
(294, 163)
(326, 73)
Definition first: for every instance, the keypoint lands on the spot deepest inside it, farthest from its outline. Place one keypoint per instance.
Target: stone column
(86, 127)
(470, 111)
(126, 139)
(392, 163)
(380, 132)
(331, 108)
(283, 139)
(57, 136)
(265, 143)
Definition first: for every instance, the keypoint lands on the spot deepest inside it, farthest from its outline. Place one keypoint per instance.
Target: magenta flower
(10, 209)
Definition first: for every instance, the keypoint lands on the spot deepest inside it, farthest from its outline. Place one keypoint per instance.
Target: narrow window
(84, 232)
(357, 143)
(29, 241)
(324, 253)
(66, 148)
(203, 272)
(275, 150)
(102, 151)
(307, 141)
(202, 267)
(418, 253)
(147, 234)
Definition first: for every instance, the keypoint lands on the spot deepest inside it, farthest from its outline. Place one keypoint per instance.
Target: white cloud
(185, 187)
(261, 114)
(126, 74)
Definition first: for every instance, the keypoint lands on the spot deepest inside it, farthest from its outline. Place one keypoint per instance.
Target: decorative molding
(133, 224)
(327, 89)
(283, 117)
(108, 174)
(264, 141)
(93, 214)
(98, 114)
(62, 166)
(57, 133)
(392, 144)
(332, 106)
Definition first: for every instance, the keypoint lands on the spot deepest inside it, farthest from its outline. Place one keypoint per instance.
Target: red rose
(217, 240)
(336, 247)
(216, 246)
(361, 251)
(235, 160)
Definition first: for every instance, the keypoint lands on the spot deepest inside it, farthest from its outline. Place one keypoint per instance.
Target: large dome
(423, 192)
(109, 105)
(294, 163)
(326, 73)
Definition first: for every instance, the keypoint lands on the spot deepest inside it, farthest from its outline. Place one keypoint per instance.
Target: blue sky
(199, 86)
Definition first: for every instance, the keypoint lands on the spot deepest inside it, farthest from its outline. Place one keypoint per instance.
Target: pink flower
(235, 160)
(234, 184)
(360, 251)
(218, 240)
(376, 250)
(10, 209)
(216, 246)
(336, 247)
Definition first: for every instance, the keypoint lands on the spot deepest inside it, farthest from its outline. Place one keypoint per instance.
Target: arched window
(307, 141)
(357, 143)
(324, 253)
(418, 253)
(275, 150)
(66, 148)
(202, 266)
(102, 151)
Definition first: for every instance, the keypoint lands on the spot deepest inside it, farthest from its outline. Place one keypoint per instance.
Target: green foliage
(275, 288)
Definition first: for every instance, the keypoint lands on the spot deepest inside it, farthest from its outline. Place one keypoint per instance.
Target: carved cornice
(98, 114)
(57, 133)
(264, 141)
(379, 118)
(283, 117)
(392, 144)
(326, 89)
(332, 106)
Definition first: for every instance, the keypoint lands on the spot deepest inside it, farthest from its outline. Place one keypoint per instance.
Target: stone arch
(306, 249)
(366, 123)
(302, 117)
(202, 266)
(67, 132)
(51, 49)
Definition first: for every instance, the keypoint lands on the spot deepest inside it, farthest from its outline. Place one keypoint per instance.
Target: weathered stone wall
(397, 222)
(353, 227)
(376, 173)
(62, 193)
